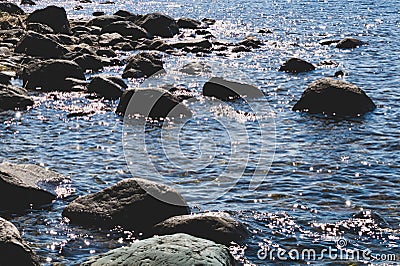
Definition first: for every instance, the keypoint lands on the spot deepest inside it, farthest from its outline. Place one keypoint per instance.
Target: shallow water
(323, 171)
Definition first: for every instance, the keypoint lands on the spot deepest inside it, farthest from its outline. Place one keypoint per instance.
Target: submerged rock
(229, 90)
(53, 16)
(12, 98)
(26, 185)
(349, 43)
(178, 249)
(295, 65)
(13, 249)
(334, 97)
(143, 65)
(106, 88)
(128, 204)
(159, 25)
(152, 103)
(35, 44)
(218, 227)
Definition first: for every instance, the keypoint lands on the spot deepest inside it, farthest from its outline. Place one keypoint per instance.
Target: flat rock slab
(334, 97)
(131, 203)
(13, 249)
(26, 185)
(178, 249)
(218, 227)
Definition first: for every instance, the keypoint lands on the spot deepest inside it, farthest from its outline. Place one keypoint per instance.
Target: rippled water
(324, 170)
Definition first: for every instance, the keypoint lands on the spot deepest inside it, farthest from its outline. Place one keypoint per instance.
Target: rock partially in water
(296, 65)
(159, 25)
(5, 79)
(13, 249)
(128, 204)
(51, 75)
(126, 29)
(38, 45)
(26, 185)
(151, 103)
(251, 42)
(105, 20)
(229, 90)
(218, 227)
(13, 98)
(334, 97)
(177, 249)
(89, 62)
(196, 68)
(39, 28)
(372, 217)
(349, 43)
(200, 43)
(28, 3)
(53, 16)
(143, 65)
(105, 88)
(188, 23)
(11, 8)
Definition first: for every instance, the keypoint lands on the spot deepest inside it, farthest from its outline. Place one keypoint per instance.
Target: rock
(143, 64)
(178, 249)
(188, 23)
(127, 204)
(251, 42)
(240, 48)
(151, 103)
(106, 88)
(27, 3)
(201, 43)
(196, 68)
(5, 52)
(35, 44)
(53, 16)
(12, 98)
(349, 43)
(154, 44)
(27, 185)
(218, 227)
(102, 21)
(329, 42)
(111, 39)
(39, 28)
(265, 31)
(228, 90)
(98, 13)
(334, 97)
(106, 52)
(11, 8)
(89, 62)
(373, 217)
(126, 14)
(118, 81)
(126, 28)
(5, 79)
(209, 21)
(339, 74)
(51, 75)
(295, 65)
(13, 249)
(159, 25)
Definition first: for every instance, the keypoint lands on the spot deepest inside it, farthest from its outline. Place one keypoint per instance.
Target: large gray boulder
(35, 44)
(159, 25)
(27, 185)
(226, 90)
(13, 249)
(132, 203)
(334, 97)
(152, 103)
(178, 249)
(218, 227)
(12, 98)
(53, 16)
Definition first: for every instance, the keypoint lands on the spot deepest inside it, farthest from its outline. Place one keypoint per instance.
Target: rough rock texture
(295, 65)
(228, 90)
(143, 65)
(39, 28)
(178, 249)
(12, 98)
(206, 44)
(159, 25)
(11, 8)
(5, 79)
(152, 103)
(35, 44)
(128, 204)
(188, 23)
(334, 97)
(53, 16)
(13, 249)
(251, 42)
(106, 88)
(89, 62)
(218, 227)
(126, 28)
(349, 43)
(102, 21)
(51, 75)
(25, 185)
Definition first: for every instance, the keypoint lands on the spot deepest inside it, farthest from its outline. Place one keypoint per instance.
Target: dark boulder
(28, 3)
(13, 98)
(126, 14)
(295, 65)
(218, 227)
(11, 8)
(39, 28)
(159, 25)
(228, 90)
(51, 75)
(143, 65)
(23, 186)
(152, 103)
(178, 249)
(35, 44)
(102, 21)
(89, 62)
(334, 97)
(111, 39)
(105, 88)
(13, 249)
(126, 28)
(329, 42)
(188, 23)
(251, 42)
(5, 79)
(240, 48)
(128, 204)
(106, 53)
(53, 16)
(201, 43)
(349, 43)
